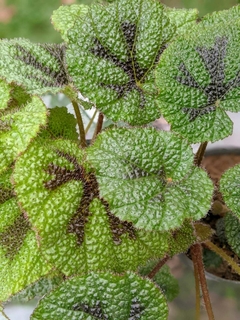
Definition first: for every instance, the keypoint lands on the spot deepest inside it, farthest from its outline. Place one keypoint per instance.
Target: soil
(215, 164)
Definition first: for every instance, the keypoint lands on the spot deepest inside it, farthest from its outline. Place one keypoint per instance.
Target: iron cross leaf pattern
(202, 82)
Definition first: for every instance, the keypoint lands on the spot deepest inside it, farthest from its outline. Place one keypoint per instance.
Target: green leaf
(147, 177)
(111, 56)
(164, 279)
(21, 263)
(230, 189)
(19, 124)
(232, 231)
(182, 238)
(39, 288)
(63, 19)
(199, 79)
(224, 16)
(104, 296)
(39, 68)
(76, 228)
(61, 124)
(5, 90)
(183, 19)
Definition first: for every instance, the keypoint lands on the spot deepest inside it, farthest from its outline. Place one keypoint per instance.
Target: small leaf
(164, 279)
(63, 19)
(104, 296)
(61, 124)
(232, 231)
(38, 68)
(77, 231)
(182, 238)
(21, 263)
(20, 124)
(147, 178)
(112, 53)
(230, 189)
(224, 16)
(199, 79)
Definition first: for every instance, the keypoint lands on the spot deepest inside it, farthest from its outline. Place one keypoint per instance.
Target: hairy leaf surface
(63, 19)
(20, 260)
(199, 79)
(104, 296)
(39, 68)
(232, 231)
(230, 189)
(112, 53)
(77, 230)
(19, 124)
(147, 177)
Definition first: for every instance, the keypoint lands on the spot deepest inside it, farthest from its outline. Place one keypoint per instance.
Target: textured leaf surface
(5, 90)
(63, 19)
(164, 279)
(232, 231)
(61, 124)
(224, 16)
(21, 263)
(39, 288)
(182, 238)
(19, 124)
(77, 231)
(39, 68)
(104, 296)
(147, 178)
(183, 19)
(230, 189)
(199, 79)
(111, 56)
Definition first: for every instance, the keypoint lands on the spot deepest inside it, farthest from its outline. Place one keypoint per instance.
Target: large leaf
(224, 16)
(112, 53)
(20, 122)
(199, 80)
(20, 261)
(230, 189)
(147, 178)
(63, 19)
(104, 296)
(37, 67)
(77, 231)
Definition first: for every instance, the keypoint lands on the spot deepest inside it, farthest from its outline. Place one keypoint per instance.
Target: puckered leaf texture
(20, 121)
(39, 68)
(76, 229)
(148, 178)
(230, 189)
(232, 231)
(112, 53)
(20, 260)
(104, 296)
(198, 77)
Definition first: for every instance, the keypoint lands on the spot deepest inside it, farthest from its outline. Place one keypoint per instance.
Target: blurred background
(31, 19)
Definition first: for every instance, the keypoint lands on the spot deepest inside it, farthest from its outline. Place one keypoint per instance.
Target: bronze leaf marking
(90, 192)
(213, 60)
(13, 236)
